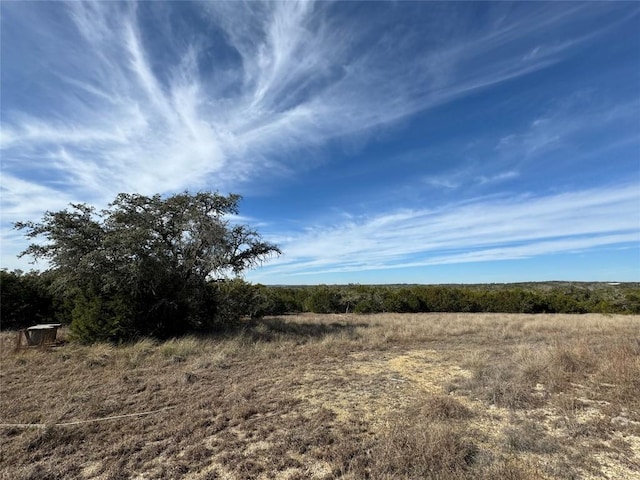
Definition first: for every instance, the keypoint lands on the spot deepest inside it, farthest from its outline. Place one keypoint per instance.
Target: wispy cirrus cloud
(292, 75)
(131, 97)
(575, 132)
(567, 123)
(476, 231)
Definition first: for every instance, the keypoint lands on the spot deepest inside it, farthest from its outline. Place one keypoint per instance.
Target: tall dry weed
(618, 370)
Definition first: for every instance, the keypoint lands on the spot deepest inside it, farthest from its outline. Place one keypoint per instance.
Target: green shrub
(324, 299)
(25, 300)
(96, 319)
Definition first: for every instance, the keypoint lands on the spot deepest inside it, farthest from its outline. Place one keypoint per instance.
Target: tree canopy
(145, 265)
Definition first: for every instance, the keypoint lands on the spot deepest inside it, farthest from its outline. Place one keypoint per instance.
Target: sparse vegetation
(390, 396)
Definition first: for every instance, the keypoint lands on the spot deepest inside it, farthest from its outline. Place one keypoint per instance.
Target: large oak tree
(145, 265)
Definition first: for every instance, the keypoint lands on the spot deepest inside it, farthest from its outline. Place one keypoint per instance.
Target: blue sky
(400, 142)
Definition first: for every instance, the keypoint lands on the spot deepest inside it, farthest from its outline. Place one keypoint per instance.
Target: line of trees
(164, 266)
(509, 298)
(29, 298)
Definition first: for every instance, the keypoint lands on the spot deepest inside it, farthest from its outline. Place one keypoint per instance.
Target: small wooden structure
(43, 335)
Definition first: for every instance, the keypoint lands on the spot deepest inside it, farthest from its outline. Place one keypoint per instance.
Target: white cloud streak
(561, 127)
(483, 230)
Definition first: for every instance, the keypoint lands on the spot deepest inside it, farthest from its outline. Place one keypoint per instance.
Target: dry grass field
(389, 396)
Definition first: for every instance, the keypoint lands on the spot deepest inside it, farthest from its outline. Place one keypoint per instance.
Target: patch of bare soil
(441, 396)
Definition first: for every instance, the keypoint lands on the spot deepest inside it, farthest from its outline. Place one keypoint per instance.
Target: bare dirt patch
(443, 396)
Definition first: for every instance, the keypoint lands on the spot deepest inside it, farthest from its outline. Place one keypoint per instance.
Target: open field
(388, 396)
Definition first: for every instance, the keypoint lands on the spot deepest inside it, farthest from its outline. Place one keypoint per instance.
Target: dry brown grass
(440, 396)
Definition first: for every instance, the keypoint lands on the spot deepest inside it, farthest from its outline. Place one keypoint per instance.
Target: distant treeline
(28, 298)
(554, 297)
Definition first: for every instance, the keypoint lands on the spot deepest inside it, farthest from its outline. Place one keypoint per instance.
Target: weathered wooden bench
(43, 335)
